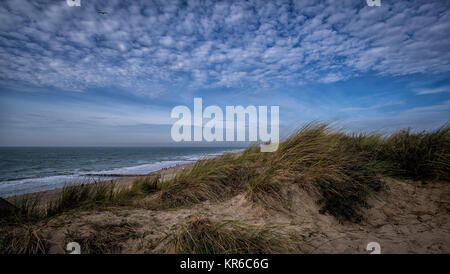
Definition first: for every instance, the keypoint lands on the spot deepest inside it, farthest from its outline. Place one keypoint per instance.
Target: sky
(72, 77)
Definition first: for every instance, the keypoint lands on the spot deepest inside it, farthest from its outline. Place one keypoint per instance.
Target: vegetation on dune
(324, 161)
(343, 169)
(202, 236)
(145, 184)
(213, 179)
(25, 208)
(24, 239)
(420, 156)
(104, 239)
(340, 169)
(29, 208)
(101, 193)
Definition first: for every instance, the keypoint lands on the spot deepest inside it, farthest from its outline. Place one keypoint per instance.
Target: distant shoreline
(122, 181)
(44, 172)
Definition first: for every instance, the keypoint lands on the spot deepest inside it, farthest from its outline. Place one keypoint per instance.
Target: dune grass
(324, 161)
(104, 238)
(146, 184)
(343, 169)
(87, 195)
(420, 155)
(212, 179)
(23, 239)
(25, 208)
(99, 193)
(202, 236)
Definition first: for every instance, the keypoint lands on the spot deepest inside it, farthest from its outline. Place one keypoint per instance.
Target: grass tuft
(100, 193)
(325, 161)
(201, 236)
(26, 208)
(105, 238)
(22, 240)
(420, 156)
(146, 184)
(213, 179)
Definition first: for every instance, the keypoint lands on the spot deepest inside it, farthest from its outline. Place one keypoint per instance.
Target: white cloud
(433, 90)
(331, 78)
(147, 47)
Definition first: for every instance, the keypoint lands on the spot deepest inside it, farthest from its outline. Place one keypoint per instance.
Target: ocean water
(32, 169)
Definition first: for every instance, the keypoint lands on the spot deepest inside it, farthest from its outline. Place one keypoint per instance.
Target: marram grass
(202, 236)
(343, 169)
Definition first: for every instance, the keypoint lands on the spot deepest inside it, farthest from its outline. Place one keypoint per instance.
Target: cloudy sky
(71, 76)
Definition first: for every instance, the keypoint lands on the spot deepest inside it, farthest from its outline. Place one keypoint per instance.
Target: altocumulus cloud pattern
(152, 46)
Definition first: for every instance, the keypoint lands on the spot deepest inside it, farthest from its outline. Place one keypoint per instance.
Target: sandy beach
(120, 182)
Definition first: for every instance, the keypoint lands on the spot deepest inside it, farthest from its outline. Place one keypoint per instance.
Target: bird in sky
(101, 12)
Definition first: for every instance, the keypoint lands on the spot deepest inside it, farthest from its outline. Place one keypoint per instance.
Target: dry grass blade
(23, 240)
(201, 236)
(214, 179)
(104, 238)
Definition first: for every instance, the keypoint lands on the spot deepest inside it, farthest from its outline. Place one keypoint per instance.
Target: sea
(32, 169)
